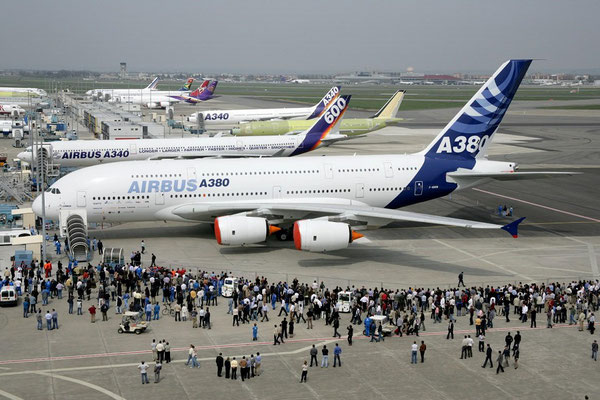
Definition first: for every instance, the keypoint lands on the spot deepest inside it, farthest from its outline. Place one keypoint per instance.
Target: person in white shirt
(143, 367)
(470, 346)
(524, 311)
(413, 353)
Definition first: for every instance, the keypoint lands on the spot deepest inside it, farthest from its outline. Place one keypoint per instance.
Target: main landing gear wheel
(285, 235)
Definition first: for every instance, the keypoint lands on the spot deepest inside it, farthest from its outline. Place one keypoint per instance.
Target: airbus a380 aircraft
(227, 117)
(325, 198)
(78, 153)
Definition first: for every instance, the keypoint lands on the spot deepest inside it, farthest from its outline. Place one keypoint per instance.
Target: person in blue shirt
(25, 307)
(148, 312)
(273, 300)
(254, 333)
(337, 351)
(45, 294)
(156, 311)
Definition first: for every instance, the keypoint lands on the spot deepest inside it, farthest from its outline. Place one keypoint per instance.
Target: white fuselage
(120, 92)
(82, 153)
(152, 190)
(10, 109)
(150, 97)
(229, 117)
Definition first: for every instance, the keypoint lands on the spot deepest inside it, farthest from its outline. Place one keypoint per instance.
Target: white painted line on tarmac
(80, 382)
(291, 352)
(9, 396)
(473, 256)
(537, 205)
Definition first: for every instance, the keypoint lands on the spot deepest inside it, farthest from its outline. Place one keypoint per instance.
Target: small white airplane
(115, 92)
(80, 153)
(320, 201)
(11, 109)
(215, 118)
(163, 99)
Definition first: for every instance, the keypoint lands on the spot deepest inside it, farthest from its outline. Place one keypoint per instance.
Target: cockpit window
(53, 190)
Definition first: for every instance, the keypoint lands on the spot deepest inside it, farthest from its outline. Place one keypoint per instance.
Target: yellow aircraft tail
(390, 108)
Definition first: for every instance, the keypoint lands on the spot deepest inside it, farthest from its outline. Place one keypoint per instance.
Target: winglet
(512, 228)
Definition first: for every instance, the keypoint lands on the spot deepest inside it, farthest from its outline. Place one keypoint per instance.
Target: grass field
(365, 97)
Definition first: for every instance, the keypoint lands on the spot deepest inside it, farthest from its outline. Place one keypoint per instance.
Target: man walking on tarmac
(460, 279)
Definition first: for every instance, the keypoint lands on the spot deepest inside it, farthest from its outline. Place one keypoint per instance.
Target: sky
(295, 37)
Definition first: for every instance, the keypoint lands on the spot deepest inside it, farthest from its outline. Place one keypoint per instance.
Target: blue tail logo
(471, 130)
(322, 105)
(327, 124)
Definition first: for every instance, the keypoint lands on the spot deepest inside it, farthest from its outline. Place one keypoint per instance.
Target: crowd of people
(187, 296)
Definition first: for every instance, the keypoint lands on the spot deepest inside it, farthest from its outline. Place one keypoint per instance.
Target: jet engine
(320, 236)
(239, 230)
(153, 105)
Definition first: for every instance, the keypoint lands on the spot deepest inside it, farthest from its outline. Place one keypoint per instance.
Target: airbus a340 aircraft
(324, 198)
(163, 99)
(111, 92)
(216, 118)
(78, 153)
(349, 126)
(151, 88)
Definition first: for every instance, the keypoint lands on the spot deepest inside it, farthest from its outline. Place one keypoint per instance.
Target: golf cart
(132, 323)
(344, 302)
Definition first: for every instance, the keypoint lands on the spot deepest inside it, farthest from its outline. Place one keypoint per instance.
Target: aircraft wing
(358, 215)
(468, 178)
(506, 176)
(330, 139)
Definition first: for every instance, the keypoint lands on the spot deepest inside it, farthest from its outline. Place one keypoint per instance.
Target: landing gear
(285, 235)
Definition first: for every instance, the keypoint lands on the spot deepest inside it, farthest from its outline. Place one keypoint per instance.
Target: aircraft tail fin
(327, 124)
(187, 85)
(153, 84)
(204, 92)
(322, 105)
(470, 132)
(390, 108)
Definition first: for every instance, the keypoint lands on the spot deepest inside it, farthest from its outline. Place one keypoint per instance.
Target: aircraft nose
(37, 206)
(24, 156)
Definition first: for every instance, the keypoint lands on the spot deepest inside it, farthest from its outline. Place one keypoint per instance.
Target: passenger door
(81, 199)
(360, 190)
(389, 170)
(418, 188)
(276, 192)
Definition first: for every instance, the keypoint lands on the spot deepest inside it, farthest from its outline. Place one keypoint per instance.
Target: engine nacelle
(320, 236)
(153, 105)
(239, 230)
(164, 104)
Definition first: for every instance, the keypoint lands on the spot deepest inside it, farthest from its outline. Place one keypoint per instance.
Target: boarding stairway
(13, 188)
(76, 233)
(44, 163)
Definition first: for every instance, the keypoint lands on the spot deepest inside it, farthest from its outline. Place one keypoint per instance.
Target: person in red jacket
(92, 311)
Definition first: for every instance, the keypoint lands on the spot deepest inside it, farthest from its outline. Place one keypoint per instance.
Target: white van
(8, 296)
(6, 236)
(229, 286)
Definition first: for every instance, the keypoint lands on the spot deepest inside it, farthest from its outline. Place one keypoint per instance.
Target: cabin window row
(121, 198)
(318, 191)
(179, 196)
